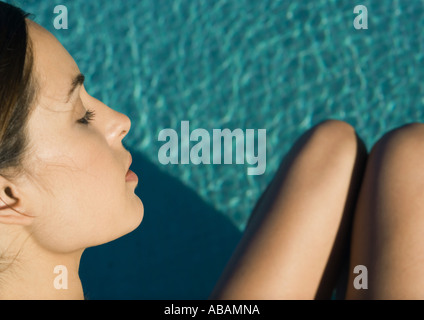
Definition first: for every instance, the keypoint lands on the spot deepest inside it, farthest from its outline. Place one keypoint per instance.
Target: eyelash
(88, 117)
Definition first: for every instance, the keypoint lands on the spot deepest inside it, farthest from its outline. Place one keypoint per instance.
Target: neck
(41, 275)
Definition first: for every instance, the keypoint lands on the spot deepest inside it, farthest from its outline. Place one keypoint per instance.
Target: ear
(12, 210)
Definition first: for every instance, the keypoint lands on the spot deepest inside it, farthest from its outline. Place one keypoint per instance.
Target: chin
(139, 216)
(136, 216)
(129, 222)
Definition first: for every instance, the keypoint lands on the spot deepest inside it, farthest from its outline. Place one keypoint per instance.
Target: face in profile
(76, 192)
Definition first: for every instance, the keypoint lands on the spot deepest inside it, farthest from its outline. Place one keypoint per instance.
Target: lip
(130, 176)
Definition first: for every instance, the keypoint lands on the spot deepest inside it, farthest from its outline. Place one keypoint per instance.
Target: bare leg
(292, 244)
(388, 234)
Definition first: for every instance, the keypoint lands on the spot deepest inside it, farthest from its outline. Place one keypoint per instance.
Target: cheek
(87, 204)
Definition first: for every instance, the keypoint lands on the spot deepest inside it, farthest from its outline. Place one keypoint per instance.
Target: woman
(65, 185)
(65, 181)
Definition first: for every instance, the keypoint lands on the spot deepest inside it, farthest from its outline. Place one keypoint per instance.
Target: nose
(118, 127)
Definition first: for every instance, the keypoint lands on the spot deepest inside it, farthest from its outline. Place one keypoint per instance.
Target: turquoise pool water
(281, 65)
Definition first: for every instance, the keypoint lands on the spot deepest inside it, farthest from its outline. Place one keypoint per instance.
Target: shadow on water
(178, 252)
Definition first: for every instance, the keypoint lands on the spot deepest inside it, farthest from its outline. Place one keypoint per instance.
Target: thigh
(291, 236)
(388, 234)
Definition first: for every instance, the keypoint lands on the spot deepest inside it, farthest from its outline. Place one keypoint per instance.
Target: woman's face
(77, 189)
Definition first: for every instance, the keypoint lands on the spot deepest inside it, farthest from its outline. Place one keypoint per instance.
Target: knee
(334, 128)
(405, 140)
(400, 150)
(328, 145)
(337, 137)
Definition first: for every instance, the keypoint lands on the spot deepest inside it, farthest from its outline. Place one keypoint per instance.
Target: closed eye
(88, 117)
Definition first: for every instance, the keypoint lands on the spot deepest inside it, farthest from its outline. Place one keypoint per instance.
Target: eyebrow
(77, 81)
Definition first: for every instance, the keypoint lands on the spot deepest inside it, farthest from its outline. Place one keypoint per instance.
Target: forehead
(54, 66)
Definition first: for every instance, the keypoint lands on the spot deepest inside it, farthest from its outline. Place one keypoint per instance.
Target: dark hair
(17, 90)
